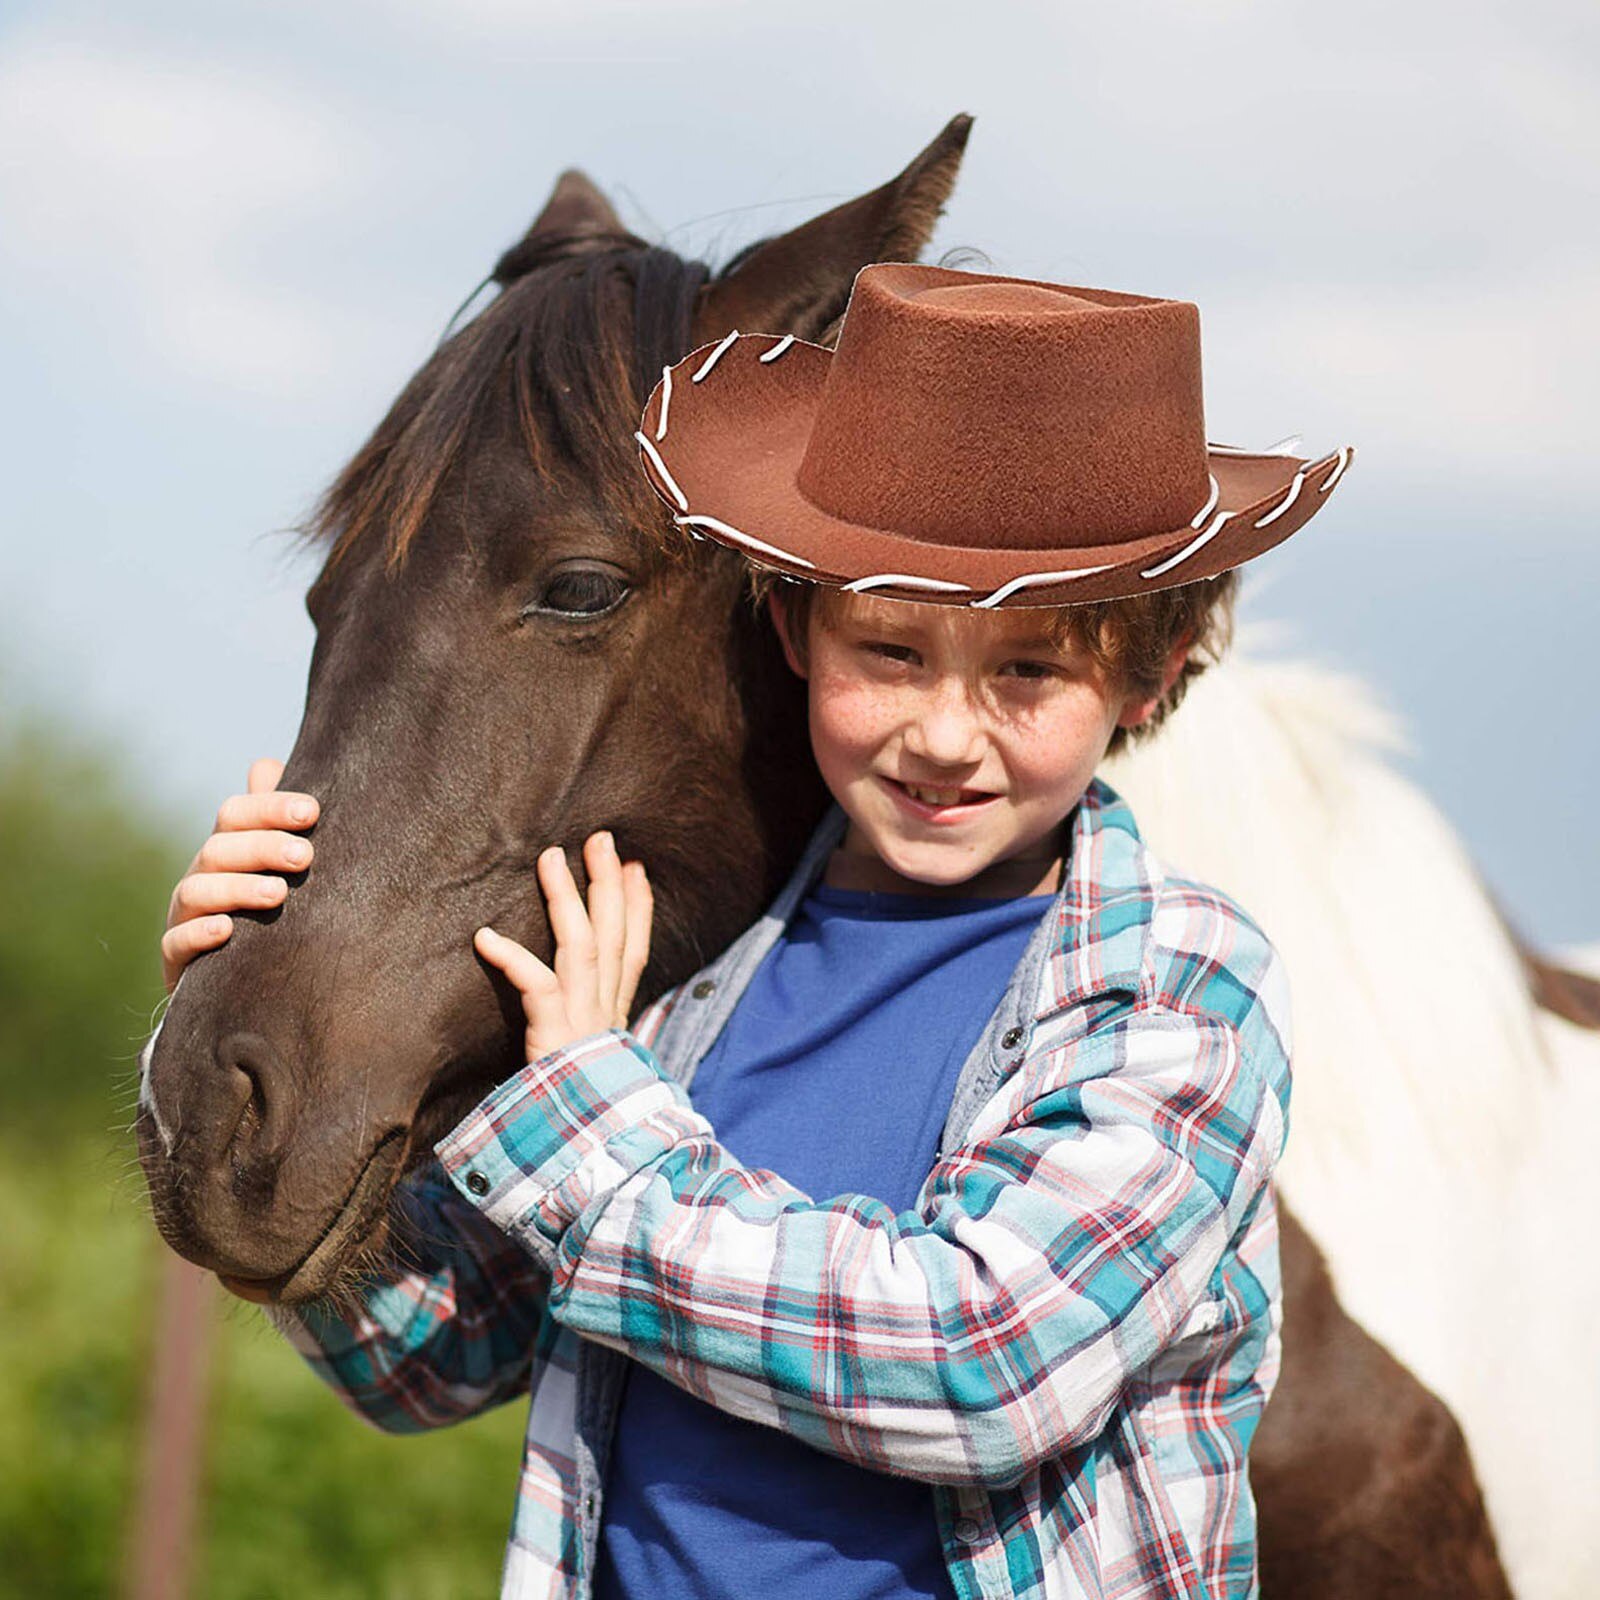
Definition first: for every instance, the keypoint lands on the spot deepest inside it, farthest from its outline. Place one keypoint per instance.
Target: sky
(228, 234)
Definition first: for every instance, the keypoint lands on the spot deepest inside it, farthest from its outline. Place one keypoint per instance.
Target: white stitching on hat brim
(1007, 589)
(1190, 548)
(661, 467)
(1346, 455)
(1284, 504)
(666, 400)
(728, 531)
(905, 580)
(715, 356)
(1205, 510)
(1283, 447)
(1341, 457)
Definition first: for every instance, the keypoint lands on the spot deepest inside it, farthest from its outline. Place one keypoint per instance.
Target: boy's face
(956, 739)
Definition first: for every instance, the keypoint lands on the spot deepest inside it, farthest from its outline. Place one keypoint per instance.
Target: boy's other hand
(234, 869)
(600, 951)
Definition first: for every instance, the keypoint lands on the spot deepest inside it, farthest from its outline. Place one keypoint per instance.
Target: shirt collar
(1100, 915)
(1104, 906)
(1089, 945)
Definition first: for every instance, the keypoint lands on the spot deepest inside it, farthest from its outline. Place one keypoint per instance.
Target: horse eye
(581, 592)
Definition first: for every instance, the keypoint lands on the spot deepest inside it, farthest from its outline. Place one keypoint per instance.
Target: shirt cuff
(568, 1129)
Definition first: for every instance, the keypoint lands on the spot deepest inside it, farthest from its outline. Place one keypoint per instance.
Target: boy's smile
(957, 740)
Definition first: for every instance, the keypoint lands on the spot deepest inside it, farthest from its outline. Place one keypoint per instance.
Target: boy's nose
(946, 732)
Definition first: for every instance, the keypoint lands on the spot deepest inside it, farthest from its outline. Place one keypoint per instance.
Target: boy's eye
(1030, 670)
(891, 652)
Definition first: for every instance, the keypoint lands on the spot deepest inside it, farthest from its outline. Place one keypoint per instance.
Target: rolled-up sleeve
(965, 1340)
(450, 1333)
(454, 1319)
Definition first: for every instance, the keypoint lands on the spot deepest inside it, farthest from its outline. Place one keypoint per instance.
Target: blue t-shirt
(883, 992)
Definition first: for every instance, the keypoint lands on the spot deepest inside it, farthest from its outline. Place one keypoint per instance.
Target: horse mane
(1278, 782)
(1440, 1123)
(560, 330)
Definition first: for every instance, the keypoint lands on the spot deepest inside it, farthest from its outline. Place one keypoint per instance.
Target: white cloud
(1481, 380)
(138, 187)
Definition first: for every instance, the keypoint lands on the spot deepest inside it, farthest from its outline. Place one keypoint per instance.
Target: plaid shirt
(1069, 1338)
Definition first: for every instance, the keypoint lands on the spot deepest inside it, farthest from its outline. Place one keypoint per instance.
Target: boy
(970, 1210)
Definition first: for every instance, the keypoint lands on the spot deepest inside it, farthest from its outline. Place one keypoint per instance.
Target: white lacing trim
(661, 467)
(715, 356)
(777, 349)
(729, 532)
(1189, 549)
(1284, 504)
(666, 400)
(1345, 453)
(1194, 522)
(904, 580)
(1007, 589)
(1277, 511)
(1284, 447)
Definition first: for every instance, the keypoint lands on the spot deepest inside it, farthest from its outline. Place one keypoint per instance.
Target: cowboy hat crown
(973, 439)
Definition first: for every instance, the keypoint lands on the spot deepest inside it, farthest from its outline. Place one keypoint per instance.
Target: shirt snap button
(702, 989)
(1011, 1039)
(965, 1529)
(477, 1183)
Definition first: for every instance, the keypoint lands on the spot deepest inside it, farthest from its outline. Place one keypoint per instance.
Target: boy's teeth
(933, 797)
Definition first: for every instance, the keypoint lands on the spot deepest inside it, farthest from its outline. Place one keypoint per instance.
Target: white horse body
(1442, 1147)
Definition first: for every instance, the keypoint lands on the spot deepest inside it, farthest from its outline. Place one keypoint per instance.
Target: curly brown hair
(1128, 640)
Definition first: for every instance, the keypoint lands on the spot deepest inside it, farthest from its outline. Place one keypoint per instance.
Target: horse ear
(799, 282)
(575, 217)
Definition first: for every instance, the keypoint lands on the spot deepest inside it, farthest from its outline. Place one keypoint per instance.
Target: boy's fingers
(274, 809)
(181, 944)
(543, 1001)
(639, 903)
(525, 970)
(607, 914)
(254, 850)
(201, 894)
(264, 775)
(575, 958)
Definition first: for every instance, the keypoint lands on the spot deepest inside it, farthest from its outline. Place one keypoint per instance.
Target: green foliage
(75, 1269)
(300, 1485)
(86, 884)
(300, 1496)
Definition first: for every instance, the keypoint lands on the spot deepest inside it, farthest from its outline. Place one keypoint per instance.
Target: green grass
(299, 1496)
(298, 1484)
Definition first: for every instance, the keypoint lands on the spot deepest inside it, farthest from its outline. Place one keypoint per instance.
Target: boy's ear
(1136, 711)
(780, 621)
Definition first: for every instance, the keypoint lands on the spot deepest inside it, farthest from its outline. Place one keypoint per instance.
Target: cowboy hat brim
(724, 432)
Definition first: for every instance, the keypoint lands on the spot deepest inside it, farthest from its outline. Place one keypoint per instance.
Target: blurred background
(228, 235)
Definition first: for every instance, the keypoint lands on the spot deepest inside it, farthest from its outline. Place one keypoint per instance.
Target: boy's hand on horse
(234, 869)
(600, 950)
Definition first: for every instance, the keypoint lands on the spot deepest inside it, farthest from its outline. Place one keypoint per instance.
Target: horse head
(514, 646)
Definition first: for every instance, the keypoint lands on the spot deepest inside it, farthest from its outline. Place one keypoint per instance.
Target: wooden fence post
(167, 1497)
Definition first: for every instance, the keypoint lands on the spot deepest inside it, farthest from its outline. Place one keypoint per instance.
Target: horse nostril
(259, 1128)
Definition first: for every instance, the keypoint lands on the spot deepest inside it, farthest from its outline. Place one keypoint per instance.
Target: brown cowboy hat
(974, 440)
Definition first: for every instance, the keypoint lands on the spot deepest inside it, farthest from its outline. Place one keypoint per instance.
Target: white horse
(1442, 1127)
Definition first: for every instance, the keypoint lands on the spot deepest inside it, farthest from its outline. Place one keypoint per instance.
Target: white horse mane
(1275, 782)
(1440, 1126)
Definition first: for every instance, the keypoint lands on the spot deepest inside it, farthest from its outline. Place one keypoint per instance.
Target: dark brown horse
(514, 647)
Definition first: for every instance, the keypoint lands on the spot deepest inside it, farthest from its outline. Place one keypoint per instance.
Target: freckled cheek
(850, 721)
(1058, 754)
